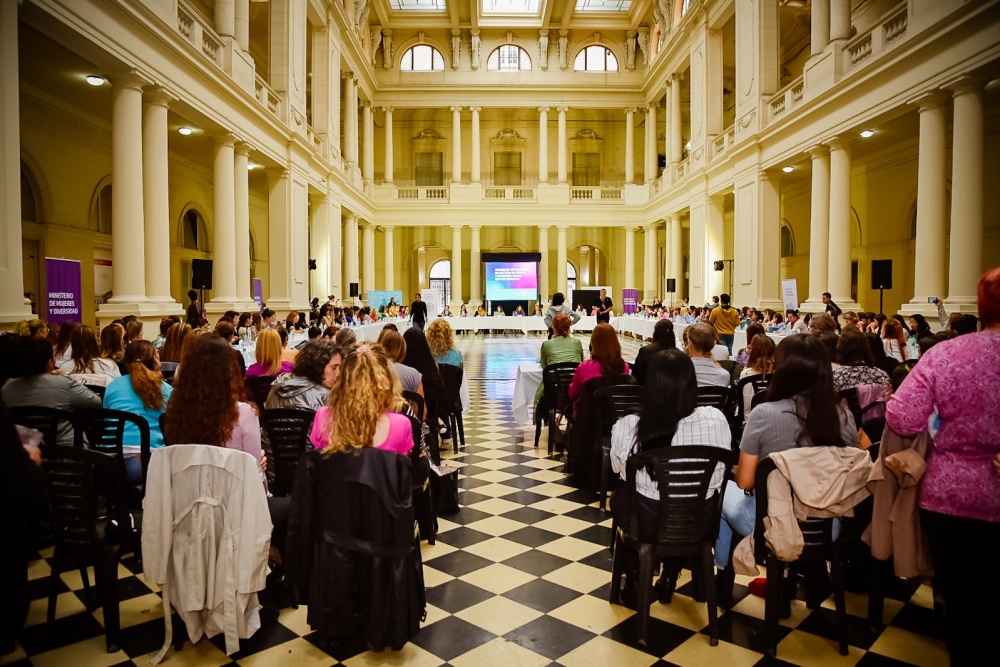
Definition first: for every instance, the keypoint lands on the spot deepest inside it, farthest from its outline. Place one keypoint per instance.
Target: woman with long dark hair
(663, 339)
(85, 360)
(113, 342)
(418, 357)
(64, 347)
(801, 409)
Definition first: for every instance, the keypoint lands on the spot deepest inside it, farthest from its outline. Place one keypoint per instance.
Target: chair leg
(112, 621)
(538, 429)
(707, 572)
(461, 426)
(775, 574)
(92, 599)
(878, 575)
(56, 566)
(644, 597)
(605, 477)
(837, 578)
(616, 568)
(553, 427)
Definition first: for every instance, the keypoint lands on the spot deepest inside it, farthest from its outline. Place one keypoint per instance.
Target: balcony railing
(199, 33)
(886, 31)
(786, 99)
(595, 194)
(510, 193)
(437, 193)
(724, 141)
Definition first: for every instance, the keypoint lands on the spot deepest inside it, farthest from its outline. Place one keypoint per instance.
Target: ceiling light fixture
(251, 166)
(95, 80)
(867, 133)
(788, 169)
(185, 131)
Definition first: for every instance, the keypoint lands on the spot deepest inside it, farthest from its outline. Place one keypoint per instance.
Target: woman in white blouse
(85, 363)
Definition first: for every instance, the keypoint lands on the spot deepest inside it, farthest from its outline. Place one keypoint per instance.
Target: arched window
(422, 58)
(596, 58)
(787, 241)
(195, 234)
(29, 205)
(570, 280)
(509, 58)
(440, 279)
(104, 210)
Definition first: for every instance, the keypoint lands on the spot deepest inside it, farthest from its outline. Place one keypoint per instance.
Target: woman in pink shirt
(359, 412)
(956, 384)
(605, 359)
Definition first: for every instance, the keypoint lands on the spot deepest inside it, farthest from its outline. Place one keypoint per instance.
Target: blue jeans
(133, 468)
(727, 340)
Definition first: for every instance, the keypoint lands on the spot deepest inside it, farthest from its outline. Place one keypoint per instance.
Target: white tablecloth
(524, 324)
(642, 328)
(529, 376)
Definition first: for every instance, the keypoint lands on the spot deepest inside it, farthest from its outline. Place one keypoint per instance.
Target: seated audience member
(960, 489)
(856, 364)
(699, 346)
(761, 362)
(112, 342)
(887, 364)
(480, 311)
(822, 323)
(33, 328)
(165, 324)
(133, 332)
(919, 328)
(227, 331)
(268, 354)
(668, 416)
(519, 311)
(394, 346)
(561, 348)
(442, 343)
(362, 414)
(871, 430)
(829, 341)
(292, 321)
(447, 311)
(752, 331)
(268, 319)
(801, 410)
(85, 363)
(663, 339)
(308, 386)
(142, 392)
(245, 328)
(463, 311)
(605, 360)
(287, 354)
(64, 343)
(851, 319)
(894, 340)
(170, 353)
(346, 338)
(418, 357)
(36, 384)
(330, 333)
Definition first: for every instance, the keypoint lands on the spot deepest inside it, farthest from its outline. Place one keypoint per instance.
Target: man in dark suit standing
(418, 313)
(603, 305)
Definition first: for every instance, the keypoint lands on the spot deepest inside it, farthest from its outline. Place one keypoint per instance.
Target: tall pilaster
(279, 225)
(350, 115)
(561, 259)
(543, 144)
(350, 253)
(667, 115)
(649, 264)
(320, 242)
(475, 269)
(676, 144)
(630, 145)
(456, 267)
(156, 196)
(584, 274)
(224, 251)
(839, 270)
(13, 306)
(966, 243)
(649, 173)
(368, 255)
(819, 26)
(629, 280)
(336, 249)
(128, 240)
(543, 265)
(819, 229)
(931, 243)
(368, 123)
(389, 162)
(456, 145)
(241, 197)
(390, 260)
(561, 161)
(676, 257)
(475, 168)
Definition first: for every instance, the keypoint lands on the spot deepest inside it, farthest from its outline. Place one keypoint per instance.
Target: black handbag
(444, 483)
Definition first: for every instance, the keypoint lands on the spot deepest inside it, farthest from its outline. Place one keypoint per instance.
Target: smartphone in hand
(932, 299)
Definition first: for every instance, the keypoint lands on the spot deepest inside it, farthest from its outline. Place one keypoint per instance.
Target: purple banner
(630, 301)
(258, 293)
(63, 293)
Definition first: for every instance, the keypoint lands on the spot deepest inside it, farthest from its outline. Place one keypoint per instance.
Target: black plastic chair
(613, 403)
(722, 398)
(258, 388)
(758, 383)
(819, 548)
(90, 509)
(420, 472)
(555, 402)
(287, 431)
(416, 402)
(97, 389)
(757, 399)
(688, 522)
(43, 419)
(451, 403)
(103, 430)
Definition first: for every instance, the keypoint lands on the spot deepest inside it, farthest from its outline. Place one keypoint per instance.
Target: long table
(642, 328)
(523, 324)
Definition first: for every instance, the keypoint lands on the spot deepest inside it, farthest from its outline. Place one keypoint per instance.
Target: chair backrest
(734, 368)
(758, 398)
(688, 514)
(258, 388)
(817, 534)
(452, 378)
(288, 432)
(722, 398)
(76, 479)
(97, 389)
(103, 430)
(615, 402)
(416, 402)
(41, 418)
(757, 384)
(557, 378)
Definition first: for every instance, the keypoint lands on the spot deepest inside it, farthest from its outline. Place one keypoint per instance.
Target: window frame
(436, 57)
(522, 59)
(583, 53)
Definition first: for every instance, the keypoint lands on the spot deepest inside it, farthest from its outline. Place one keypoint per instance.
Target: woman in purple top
(605, 360)
(268, 355)
(959, 380)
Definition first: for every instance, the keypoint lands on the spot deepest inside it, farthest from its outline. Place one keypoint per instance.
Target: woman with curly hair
(362, 414)
(85, 359)
(442, 343)
(31, 328)
(268, 355)
(308, 386)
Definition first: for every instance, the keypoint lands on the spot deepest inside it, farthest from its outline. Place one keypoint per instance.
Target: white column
(456, 145)
(475, 167)
(676, 144)
(389, 164)
(156, 195)
(819, 20)
(929, 257)
(336, 226)
(630, 146)
(456, 267)
(225, 17)
(649, 264)
(629, 280)
(320, 242)
(966, 263)
(279, 225)
(128, 240)
(13, 306)
(583, 275)
(224, 252)
(390, 260)
(543, 144)
(350, 112)
(368, 255)
(475, 269)
(667, 258)
(676, 255)
(561, 259)
(350, 253)
(839, 270)
(561, 161)
(241, 194)
(667, 115)
(241, 24)
(368, 163)
(543, 265)
(819, 228)
(650, 171)
(840, 20)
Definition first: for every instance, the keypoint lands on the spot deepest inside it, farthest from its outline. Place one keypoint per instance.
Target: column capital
(966, 85)
(839, 144)
(346, 74)
(475, 109)
(387, 229)
(676, 77)
(275, 174)
(562, 109)
(129, 79)
(932, 99)
(818, 151)
(350, 216)
(157, 95)
(243, 148)
(366, 103)
(543, 109)
(457, 228)
(224, 138)
(388, 109)
(631, 110)
(455, 109)
(475, 228)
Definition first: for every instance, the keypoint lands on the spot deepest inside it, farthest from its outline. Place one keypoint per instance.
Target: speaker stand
(881, 292)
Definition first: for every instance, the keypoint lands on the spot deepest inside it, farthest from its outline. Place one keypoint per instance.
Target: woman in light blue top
(142, 392)
(441, 340)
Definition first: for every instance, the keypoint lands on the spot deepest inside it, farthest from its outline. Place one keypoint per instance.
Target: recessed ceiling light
(687, 146)
(788, 169)
(185, 131)
(95, 80)
(251, 166)
(867, 133)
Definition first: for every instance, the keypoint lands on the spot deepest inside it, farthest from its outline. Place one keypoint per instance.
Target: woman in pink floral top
(959, 501)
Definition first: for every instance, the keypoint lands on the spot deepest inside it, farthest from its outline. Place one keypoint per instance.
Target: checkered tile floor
(520, 576)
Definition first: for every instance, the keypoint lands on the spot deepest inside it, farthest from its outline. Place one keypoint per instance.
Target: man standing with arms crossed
(603, 305)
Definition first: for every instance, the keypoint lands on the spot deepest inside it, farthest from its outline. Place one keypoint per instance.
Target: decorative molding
(630, 44)
(563, 49)
(585, 134)
(387, 56)
(508, 134)
(474, 45)
(428, 133)
(543, 50)
(456, 47)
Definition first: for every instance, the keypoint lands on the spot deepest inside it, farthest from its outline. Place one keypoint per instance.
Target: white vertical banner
(790, 294)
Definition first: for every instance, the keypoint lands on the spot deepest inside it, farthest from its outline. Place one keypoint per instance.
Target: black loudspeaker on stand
(881, 277)
(201, 277)
(671, 287)
(354, 290)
